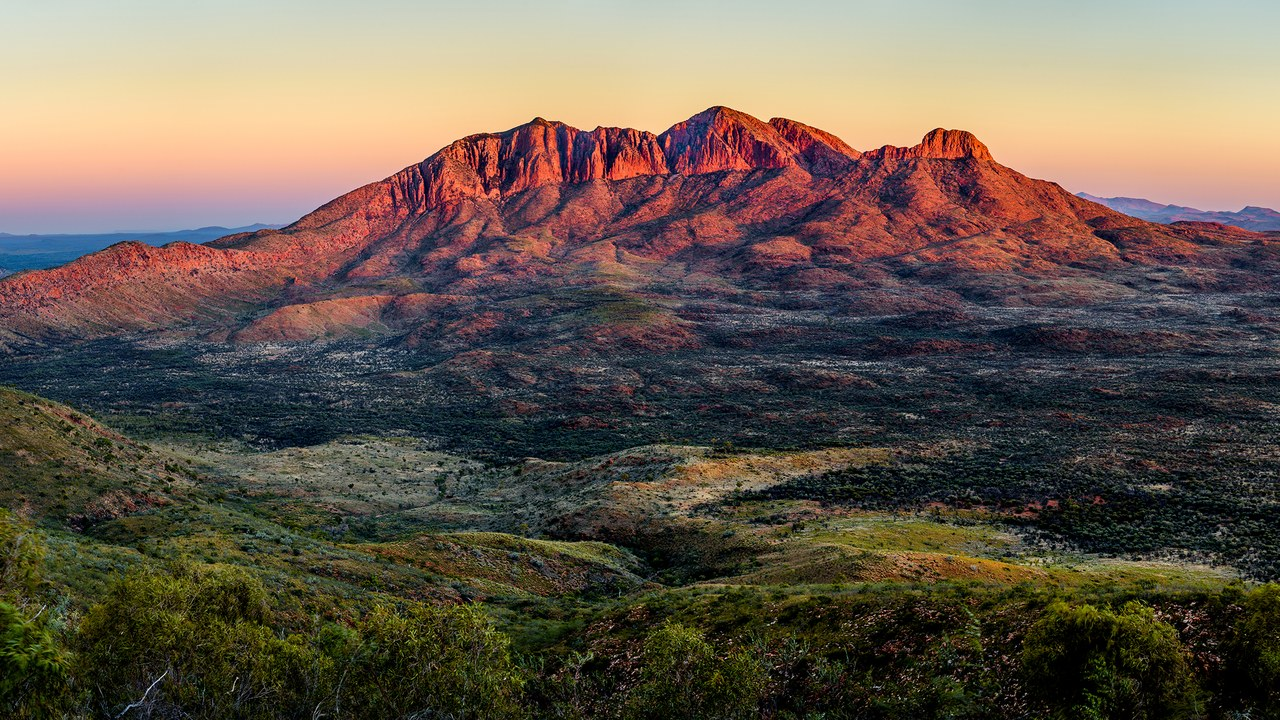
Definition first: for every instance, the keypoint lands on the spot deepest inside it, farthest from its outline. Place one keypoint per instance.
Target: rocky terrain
(719, 204)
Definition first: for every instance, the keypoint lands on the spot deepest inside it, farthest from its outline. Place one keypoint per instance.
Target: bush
(196, 643)
(1255, 653)
(21, 557)
(34, 678)
(683, 676)
(1089, 663)
(430, 662)
(33, 668)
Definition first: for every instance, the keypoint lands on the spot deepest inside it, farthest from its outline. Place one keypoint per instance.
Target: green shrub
(683, 676)
(34, 678)
(430, 662)
(1255, 653)
(21, 557)
(196, 643)
(34, 681)
(1090, 663)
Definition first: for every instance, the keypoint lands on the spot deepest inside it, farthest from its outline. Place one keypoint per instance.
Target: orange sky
(141, 114)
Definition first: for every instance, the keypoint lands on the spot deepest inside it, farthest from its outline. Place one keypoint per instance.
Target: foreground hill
(1258, 219)
(60, 464)
(863, 582)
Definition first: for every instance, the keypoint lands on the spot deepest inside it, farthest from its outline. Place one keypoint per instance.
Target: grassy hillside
(60, 465)
(823, 583)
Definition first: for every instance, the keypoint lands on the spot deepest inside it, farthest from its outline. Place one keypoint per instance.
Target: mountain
(719, 198)
(1258, 219)
(555, 292)
(34, 252)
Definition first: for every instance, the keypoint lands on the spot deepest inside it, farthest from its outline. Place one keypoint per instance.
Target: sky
(167, 114)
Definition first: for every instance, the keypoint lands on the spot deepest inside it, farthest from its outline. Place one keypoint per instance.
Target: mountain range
(555, 292)
(722, 199)
(34, 252)
(1259, 219)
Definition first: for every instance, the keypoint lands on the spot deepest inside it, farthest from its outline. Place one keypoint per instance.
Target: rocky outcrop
(721, 139)
(817, 150)
(532, 155)
(938, 144)
(496, 165)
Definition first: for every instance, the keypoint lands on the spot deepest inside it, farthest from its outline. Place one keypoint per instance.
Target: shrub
(1090, 663)
(430, 662)
(1255, 652)
(683, 676)
(34, 678)
(33, 668)
(196, 643)
(21, 557)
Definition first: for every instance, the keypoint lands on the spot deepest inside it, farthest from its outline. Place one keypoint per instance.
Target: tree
(1091, 663)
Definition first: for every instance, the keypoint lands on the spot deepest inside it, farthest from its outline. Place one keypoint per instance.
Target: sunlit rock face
(772, 206)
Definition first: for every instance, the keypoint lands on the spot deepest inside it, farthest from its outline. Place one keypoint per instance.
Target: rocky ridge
(775, 205)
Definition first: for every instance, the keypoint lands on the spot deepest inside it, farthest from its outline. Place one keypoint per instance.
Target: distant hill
(35, 252)
(1258, 219)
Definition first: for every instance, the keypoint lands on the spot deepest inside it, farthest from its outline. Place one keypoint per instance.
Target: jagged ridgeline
(720, 198)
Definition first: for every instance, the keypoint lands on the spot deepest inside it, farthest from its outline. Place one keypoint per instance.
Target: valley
(559, 553)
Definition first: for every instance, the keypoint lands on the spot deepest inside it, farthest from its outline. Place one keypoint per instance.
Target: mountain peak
(723, 113)
(540, 122)
(939, 144)
(819, 150)
(721, 138)
(953, 145)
